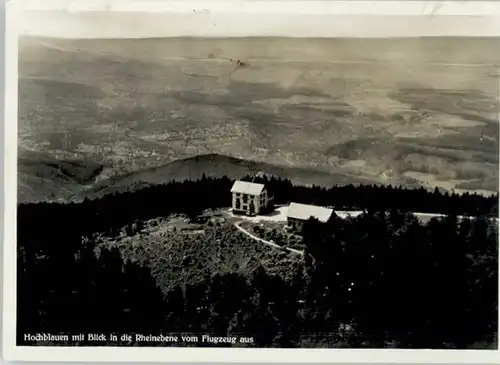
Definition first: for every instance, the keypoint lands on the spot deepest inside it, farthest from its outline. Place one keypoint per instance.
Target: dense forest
(382, 279)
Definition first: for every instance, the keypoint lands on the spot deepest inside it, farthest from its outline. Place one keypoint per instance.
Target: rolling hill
(51, 180)
(211, 165)
(42, 178)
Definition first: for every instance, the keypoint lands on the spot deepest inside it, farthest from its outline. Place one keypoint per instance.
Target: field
(410, 111)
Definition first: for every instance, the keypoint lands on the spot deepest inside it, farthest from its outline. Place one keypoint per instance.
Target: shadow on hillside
(274, 213)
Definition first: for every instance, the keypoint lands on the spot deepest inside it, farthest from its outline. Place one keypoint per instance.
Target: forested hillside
(382, 279)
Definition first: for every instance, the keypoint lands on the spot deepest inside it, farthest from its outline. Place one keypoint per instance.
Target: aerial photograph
(262, 192)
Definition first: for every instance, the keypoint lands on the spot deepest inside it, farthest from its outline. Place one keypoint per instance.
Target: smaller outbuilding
(299, 213)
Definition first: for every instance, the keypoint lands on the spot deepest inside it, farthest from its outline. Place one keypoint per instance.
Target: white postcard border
(488, 10)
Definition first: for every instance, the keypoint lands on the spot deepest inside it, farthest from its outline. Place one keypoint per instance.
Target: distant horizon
(143, 25)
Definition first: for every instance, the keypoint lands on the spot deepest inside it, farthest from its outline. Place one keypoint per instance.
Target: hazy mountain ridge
(77, 180)
(42, 178)
(214, 165)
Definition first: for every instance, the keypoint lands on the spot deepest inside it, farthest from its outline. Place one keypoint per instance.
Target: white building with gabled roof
(250, 198)
(299, 213)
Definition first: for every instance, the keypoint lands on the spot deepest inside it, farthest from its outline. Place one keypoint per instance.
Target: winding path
(281, 217)
(268, 243)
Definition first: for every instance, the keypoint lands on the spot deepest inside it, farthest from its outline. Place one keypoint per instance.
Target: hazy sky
(203, 23)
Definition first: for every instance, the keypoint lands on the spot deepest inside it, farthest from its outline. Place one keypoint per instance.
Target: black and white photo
(256, 191)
